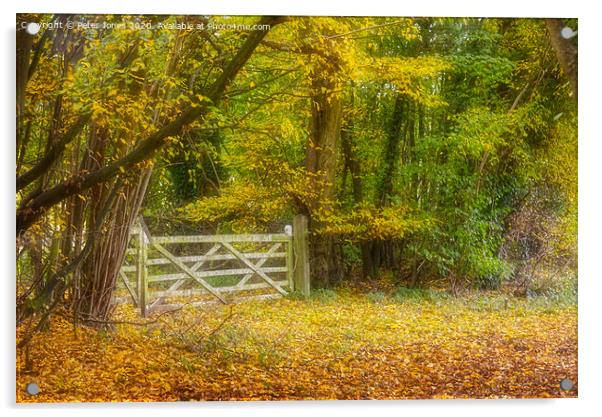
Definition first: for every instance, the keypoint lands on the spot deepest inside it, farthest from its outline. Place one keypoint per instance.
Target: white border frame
(590, 137)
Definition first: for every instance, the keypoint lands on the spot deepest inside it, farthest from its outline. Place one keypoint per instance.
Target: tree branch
(29, 214)
(56, 149)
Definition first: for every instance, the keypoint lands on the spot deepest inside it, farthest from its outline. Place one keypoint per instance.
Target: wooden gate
(164, 272)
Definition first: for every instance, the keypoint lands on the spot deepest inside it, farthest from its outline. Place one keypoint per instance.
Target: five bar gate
(163, 272)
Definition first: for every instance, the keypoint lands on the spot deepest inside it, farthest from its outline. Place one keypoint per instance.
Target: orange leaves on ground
(347, 346)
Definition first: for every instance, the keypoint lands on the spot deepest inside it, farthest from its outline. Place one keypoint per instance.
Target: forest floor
(336, 345)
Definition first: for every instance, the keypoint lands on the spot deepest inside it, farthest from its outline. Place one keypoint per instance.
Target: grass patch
(376, 296)
(403, 294)
(324, 295)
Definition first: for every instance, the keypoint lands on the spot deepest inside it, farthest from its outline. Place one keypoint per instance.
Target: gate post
(290, 259)
(142, 283)
(301, 249)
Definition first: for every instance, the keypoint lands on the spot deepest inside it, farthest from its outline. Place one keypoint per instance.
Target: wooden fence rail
(191, 275)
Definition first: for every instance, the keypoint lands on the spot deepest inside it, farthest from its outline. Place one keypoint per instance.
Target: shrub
(556, 287)
(492, 272)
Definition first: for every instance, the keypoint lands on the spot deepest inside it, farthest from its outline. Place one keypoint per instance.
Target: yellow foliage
(246, 205)
(369, 222)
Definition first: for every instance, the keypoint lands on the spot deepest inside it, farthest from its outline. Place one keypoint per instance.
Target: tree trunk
(321, 162)
(24, 45)
(382, 252)
(353, 166)
(566, 52)
(100, 270)
(391, 155)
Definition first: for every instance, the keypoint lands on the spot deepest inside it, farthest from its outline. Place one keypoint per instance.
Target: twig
(135, 323)
(228, 317)
(191, 344)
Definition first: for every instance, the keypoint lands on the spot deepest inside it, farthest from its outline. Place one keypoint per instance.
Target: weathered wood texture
(142, 282)
(221, 238)
(301, 255)
(189, 272)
